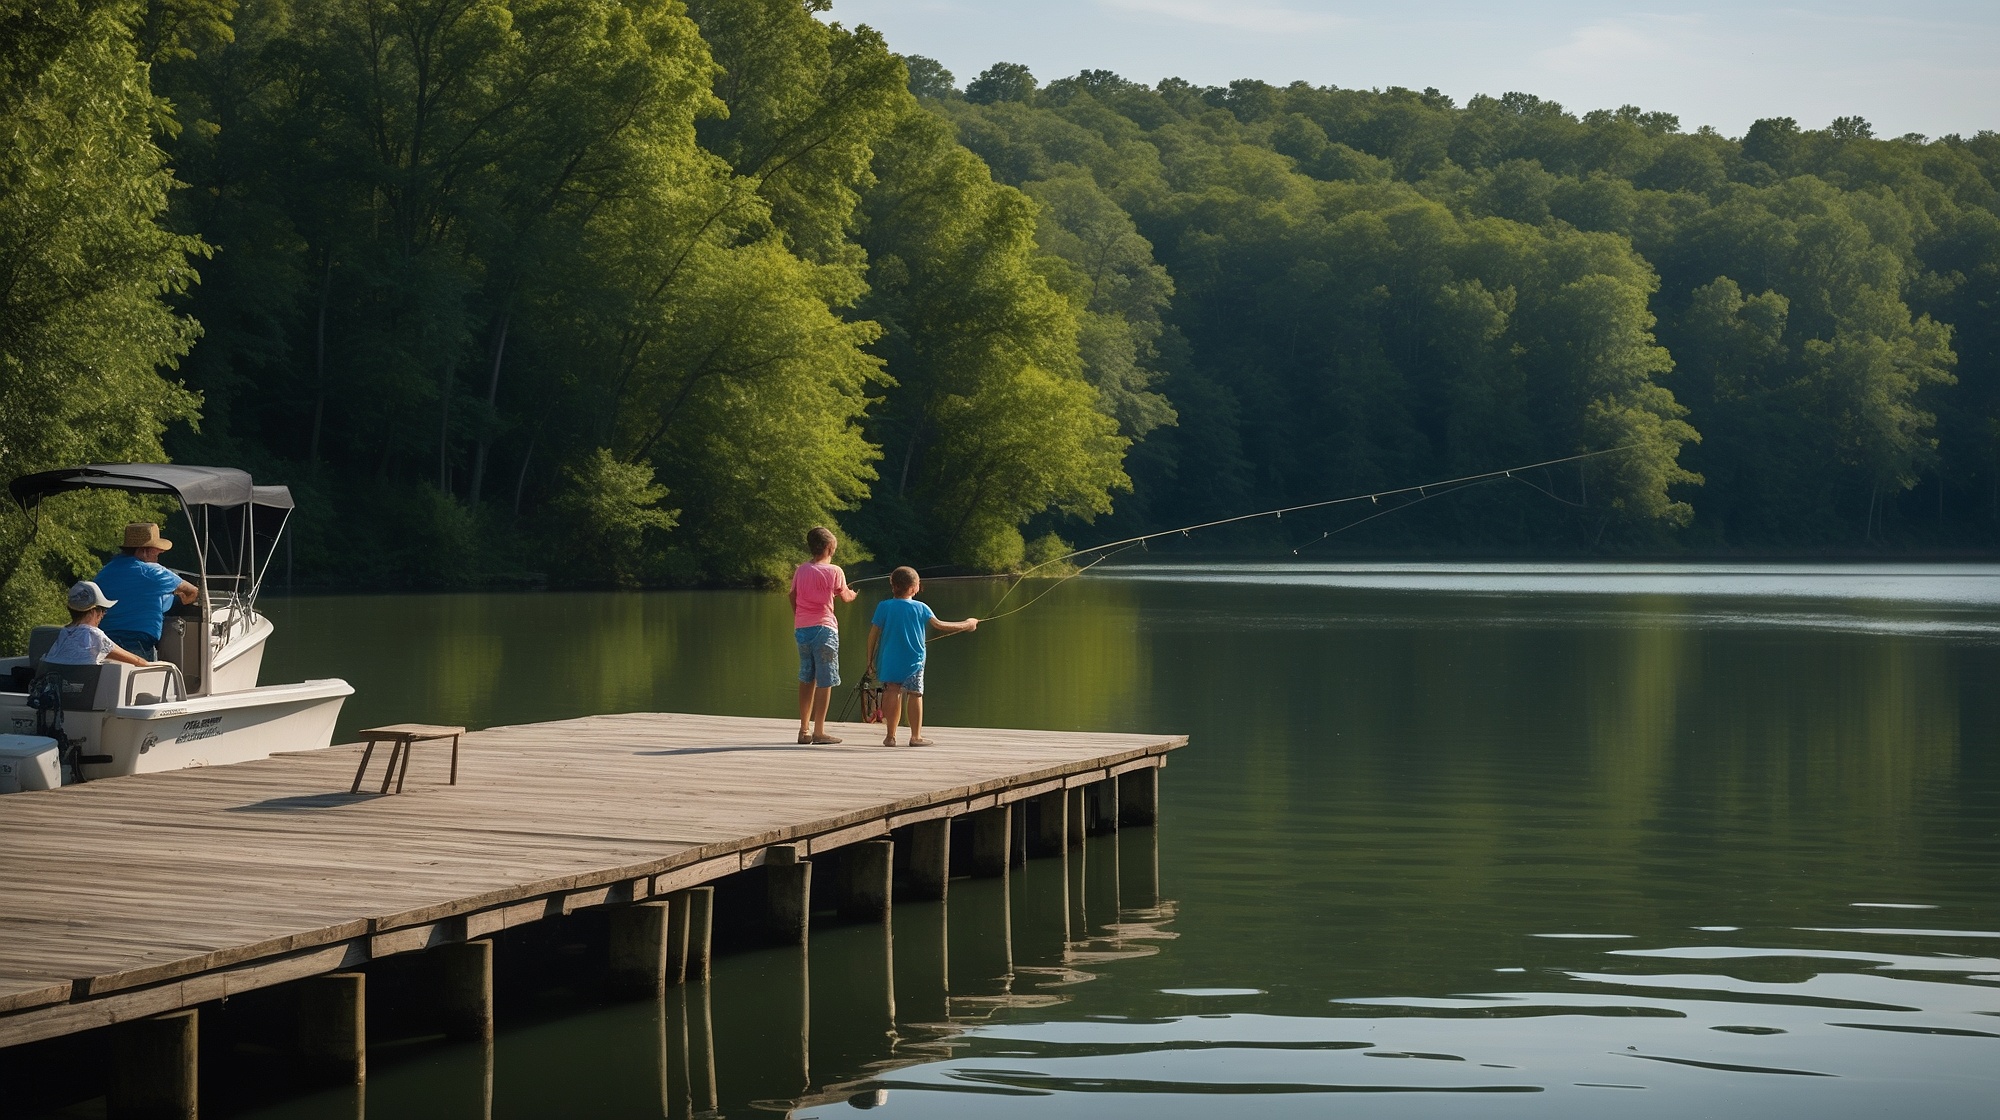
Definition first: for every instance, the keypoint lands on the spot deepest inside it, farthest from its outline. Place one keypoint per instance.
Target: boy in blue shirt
(896, 644)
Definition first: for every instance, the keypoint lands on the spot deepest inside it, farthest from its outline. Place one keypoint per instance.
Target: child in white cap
(81, 642)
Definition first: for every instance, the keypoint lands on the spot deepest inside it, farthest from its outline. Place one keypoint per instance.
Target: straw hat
(145, 534)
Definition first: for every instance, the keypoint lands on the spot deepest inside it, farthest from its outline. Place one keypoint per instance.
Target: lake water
(1468, 840)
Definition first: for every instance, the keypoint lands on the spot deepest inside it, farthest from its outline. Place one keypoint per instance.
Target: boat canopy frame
(227, 514)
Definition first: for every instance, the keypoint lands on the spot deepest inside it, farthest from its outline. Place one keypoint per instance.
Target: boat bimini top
(234, 527)
(235, 523)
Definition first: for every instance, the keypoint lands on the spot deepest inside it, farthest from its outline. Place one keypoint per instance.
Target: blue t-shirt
(142, 591)
(903, 623)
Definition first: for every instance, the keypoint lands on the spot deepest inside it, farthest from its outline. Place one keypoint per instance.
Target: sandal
(805, 737)
(823, 740)
(923, 743)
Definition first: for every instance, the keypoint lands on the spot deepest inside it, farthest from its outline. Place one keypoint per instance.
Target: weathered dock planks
(143, 895)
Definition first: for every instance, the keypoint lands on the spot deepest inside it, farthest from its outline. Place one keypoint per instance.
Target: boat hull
(240, 726)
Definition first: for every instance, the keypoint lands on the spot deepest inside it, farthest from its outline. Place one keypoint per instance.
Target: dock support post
(862, 881)
(333, 1027)
(700, 931)
(1051, 824)
(788, 896)
(1139, 796)
(1076, 815)
(642, 936)
(1017, 844)
(153, 1076)
(930, 859)
(465, 990)
(991, 838)
(1102, 800)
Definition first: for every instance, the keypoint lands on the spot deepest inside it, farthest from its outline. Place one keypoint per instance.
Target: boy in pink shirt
(815, 585)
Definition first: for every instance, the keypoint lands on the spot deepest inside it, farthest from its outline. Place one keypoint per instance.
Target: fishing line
(1397, 509)
(1375, 496)
(1424, 491)
(1046, 593)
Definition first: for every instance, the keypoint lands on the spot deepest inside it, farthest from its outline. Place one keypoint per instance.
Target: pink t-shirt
(813, 587)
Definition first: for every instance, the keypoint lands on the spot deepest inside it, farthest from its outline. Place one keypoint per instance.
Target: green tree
(992, 421)
(86, 272)
(1121, 290)
(609, 508)
(1002, 81)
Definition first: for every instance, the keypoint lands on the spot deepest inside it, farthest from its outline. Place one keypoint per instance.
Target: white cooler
(28, 762)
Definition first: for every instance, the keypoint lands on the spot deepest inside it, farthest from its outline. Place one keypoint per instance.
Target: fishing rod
(1424, 491)
(1372, 496)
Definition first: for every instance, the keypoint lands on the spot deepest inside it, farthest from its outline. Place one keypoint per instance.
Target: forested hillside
(1375, 288)
(631, 291)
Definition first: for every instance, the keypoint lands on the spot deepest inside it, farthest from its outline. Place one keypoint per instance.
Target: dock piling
(788, 895)
(861, 883)
(465, 990)
(1074, 814)
(679, 935)
(701, 932)
(1017, 844)
(1139, 796)
(991, 836)
(1051, 819)
(154, 1073)
(333, 1027)
(1101, 802)
(930, 859)
(642, 936)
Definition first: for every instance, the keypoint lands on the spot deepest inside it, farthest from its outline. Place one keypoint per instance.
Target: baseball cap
(85, 594)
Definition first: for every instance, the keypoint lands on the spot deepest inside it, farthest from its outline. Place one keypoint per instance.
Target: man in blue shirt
(143, 589)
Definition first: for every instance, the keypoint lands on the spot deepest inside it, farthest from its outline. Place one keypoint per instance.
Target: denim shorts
(912, 685)
(819, 655)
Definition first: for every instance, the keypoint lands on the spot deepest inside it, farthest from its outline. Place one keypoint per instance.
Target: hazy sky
(1929, 66)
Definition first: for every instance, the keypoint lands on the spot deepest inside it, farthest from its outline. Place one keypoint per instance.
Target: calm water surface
(1451, 840)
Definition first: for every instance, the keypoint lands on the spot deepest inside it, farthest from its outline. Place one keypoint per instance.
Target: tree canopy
(1374, 287)
(631, 292)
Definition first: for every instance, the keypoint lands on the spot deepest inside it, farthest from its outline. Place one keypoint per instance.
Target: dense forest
(630, 291)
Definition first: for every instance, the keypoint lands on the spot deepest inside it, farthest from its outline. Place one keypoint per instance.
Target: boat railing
(231, 606)
(230, 617)
(170, 674)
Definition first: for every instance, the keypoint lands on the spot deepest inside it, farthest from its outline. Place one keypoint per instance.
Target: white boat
(204, 707)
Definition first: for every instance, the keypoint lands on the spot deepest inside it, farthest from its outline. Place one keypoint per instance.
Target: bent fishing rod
(1425, 491)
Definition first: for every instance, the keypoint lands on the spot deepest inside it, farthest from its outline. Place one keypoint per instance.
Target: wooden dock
(139, 897)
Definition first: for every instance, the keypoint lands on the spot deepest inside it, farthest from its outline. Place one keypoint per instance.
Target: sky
(1925, 66)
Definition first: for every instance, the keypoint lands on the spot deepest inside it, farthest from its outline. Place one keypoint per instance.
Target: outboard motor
(45, 697)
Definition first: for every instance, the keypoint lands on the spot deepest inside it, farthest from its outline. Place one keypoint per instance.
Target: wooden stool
(400, 737)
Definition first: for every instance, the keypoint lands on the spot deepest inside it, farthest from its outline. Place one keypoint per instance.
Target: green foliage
(929, 78)
(1121, 291)
(485, 268)
(604, 517)
(466, 245)
(992, 420)
(1002, 81)
(84, 320)
(1375, 287)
